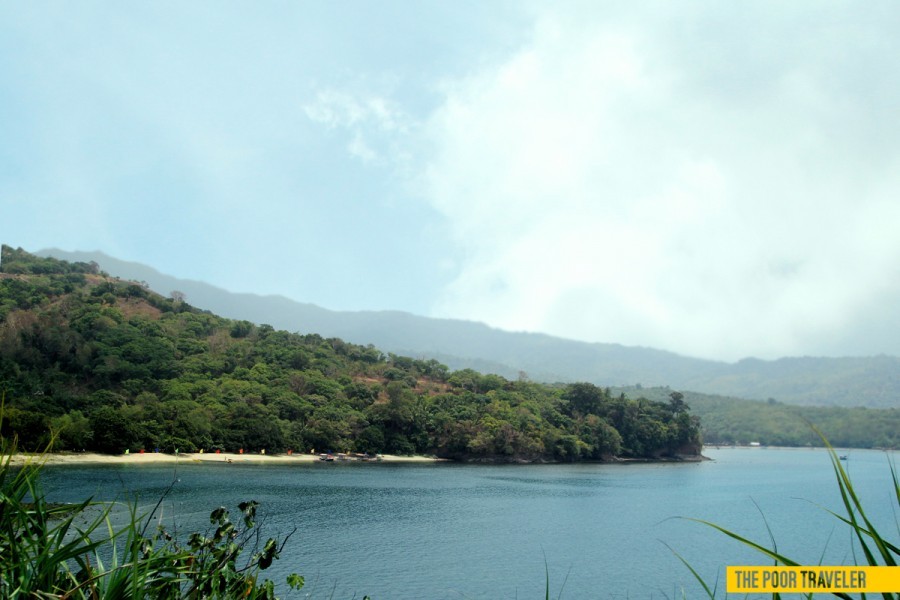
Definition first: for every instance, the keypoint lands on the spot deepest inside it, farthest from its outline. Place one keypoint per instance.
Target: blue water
(413, 531)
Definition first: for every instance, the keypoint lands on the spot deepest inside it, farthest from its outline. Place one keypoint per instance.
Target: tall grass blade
(710, 593)
(877, 551)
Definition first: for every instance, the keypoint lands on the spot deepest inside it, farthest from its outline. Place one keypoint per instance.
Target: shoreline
(162, 458)
(153, 458)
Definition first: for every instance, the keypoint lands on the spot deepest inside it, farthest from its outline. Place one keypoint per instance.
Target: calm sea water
(487, 532)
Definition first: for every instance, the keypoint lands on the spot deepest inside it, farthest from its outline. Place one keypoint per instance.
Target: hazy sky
(719, 179)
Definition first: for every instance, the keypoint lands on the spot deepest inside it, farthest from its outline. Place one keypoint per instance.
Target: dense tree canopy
(92, 362)
(772, 423)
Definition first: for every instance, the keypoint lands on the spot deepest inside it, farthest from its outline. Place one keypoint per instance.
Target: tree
(584, 398)
(72, 430)
(113, 432)
(677, 402)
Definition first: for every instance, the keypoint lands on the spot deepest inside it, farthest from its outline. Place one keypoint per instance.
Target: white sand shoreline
(137, 458)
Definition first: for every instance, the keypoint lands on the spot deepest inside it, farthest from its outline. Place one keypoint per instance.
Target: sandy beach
(137, 458)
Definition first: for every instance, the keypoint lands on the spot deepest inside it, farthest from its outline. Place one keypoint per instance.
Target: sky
(716, 179)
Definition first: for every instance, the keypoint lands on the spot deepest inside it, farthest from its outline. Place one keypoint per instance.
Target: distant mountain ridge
(854, 381)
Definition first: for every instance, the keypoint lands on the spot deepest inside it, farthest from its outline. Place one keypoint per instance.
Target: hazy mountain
(870, 381)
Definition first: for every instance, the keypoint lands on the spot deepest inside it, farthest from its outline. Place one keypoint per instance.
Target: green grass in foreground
(875, 548)
(74, 551)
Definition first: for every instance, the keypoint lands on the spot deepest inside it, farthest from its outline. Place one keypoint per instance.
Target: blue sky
(716, 179)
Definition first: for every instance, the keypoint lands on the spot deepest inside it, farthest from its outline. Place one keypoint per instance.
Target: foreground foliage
(93, 363)
(875, 547)
(77, 551)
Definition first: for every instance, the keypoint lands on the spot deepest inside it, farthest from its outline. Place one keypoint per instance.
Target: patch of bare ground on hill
(132, 307)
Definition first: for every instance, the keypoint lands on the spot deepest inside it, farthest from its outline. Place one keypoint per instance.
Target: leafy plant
(76, 551)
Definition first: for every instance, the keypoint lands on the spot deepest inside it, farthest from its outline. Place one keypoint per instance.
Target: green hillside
(736, 421)
(872, 381)
(93, 362)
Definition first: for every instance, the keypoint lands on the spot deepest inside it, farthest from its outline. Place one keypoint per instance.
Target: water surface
(414, 531)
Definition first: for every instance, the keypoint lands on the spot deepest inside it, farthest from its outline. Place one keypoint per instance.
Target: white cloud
(611, 182)
(375, 125)
(713, 178)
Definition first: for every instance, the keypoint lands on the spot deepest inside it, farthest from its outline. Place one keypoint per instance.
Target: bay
(421, 531)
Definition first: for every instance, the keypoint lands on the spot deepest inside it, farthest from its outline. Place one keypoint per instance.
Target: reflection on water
(475, 531)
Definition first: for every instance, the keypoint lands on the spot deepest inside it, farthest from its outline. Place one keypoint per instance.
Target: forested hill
(729, 421)
(93, 362)
(852, 381)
